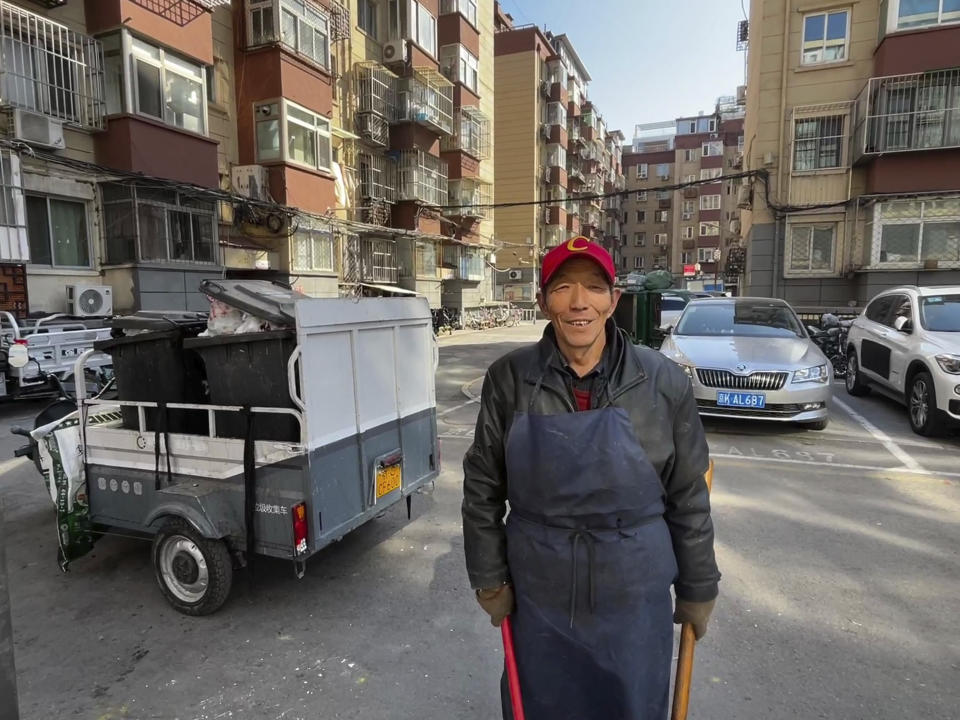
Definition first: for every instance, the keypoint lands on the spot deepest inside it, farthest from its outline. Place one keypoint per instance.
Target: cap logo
(573, 247)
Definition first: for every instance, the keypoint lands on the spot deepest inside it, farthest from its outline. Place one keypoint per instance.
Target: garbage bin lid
(156, 320)
(260, 298)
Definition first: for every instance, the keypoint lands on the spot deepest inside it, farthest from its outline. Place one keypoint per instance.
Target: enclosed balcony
(903, 113)
(471, 134)
(422, 178)
(376, 89)
(469, 199)
(426, 98)
(377, 175)
(49, 69)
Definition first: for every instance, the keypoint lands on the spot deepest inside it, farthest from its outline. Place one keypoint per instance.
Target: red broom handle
(513, 677)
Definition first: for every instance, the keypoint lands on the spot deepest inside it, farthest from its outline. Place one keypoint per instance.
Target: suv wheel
(853, 380)
(922, 405)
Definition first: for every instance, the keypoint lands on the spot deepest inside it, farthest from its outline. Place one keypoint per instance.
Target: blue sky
(650, 60)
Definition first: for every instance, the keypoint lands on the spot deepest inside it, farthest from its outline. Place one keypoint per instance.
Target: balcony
(49, 69)
(378, 260)
(463, 263)
(426, 98)
(377, 178)
(472, 199)
(376, 89)
(471, 134)
(904, 113)
(421, 178)
(554, 215)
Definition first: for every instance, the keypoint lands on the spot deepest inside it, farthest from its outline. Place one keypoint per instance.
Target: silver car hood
(757, 353)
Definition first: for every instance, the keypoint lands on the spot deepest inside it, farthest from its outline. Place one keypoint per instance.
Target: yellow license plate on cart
(388, 479)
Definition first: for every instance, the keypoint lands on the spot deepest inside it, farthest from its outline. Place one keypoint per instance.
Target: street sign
(689, 270)
(717, 254)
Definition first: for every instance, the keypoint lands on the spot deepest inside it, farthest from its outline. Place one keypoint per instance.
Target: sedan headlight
(688, 369)
(949, 363)
(818, 374)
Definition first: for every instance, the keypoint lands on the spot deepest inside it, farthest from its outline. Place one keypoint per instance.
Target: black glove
(497, 602)
(695, 613)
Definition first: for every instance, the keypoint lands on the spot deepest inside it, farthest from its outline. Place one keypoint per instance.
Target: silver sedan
(751, 358)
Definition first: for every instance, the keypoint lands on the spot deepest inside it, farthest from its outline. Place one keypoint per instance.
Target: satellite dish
(17, 355)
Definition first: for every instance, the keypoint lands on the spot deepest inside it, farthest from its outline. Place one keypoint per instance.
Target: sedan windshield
(672, 303)
(751, 319)
(941, 313)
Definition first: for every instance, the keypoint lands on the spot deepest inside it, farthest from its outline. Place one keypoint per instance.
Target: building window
(686, 258)
(709, 202)
(285, 131)
(709, 228)
(425, 259)
(626, 219)
(467, 8)
(423, 27)
(149, 224)
(913, 112)
(663, 194)
(640, 239)
(557, 156)
(812, 247)
(312, 250)
(422, 177)
(662, 216)
(690, 156)
(642, 171)
(739, 143)
(818, 143)
(57, 232)
(710, 173)
(367, 17)
(638, 262)
(471, 133)
(50, 69)
(460, 65)
(922, 13)
(912, 233)
(712, 125)
(825, 37)
(11, 192)
(689, 179)
(641, 216)
(712, 148)
(642, 196)
(303, 27)
(706, 255)
(663, 172)
(688, 232)
(660, 261)
(168, 88)
(689, 207)
(660, 239)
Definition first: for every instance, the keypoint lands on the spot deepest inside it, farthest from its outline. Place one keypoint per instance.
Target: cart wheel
(194, 572)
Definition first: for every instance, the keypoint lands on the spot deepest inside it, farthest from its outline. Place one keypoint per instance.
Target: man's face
(578, 300)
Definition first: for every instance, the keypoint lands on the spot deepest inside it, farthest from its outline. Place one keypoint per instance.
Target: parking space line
(898, 452)
(842, 466)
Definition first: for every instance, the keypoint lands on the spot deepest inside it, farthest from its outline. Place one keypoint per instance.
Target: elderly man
(597, 446)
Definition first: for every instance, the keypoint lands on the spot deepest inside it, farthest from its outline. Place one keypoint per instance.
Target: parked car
(751, 358)
(907, 343)
(672, 305)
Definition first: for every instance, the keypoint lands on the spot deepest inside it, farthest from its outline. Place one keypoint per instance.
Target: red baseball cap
(577, 247)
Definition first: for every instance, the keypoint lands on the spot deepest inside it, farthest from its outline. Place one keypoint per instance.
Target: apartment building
(691, 231)
(553, 151)
(108, 146)
(852, 114)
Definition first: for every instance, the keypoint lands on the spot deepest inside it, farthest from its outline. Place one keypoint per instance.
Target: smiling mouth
(579, 323)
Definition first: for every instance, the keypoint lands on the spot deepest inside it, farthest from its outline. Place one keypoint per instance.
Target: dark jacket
(656, 394)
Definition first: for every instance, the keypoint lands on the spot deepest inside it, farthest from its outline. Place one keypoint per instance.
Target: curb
(465, 389)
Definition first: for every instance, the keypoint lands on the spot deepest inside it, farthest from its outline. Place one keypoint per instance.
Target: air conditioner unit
(89, 300)
(395, 51)
(252, 181)
(36, 129)
(514, 274)
(735, 227)
(743, 196)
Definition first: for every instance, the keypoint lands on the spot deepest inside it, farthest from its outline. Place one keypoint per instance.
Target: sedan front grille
(762, 380)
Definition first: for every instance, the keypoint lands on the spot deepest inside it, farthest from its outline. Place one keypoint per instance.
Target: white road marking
(457, 407)
(898, 452)
(844, 466)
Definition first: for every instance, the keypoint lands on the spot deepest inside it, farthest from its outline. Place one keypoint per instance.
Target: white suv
(907, 343)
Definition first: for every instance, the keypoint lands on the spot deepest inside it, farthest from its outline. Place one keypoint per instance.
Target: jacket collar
(622, 368)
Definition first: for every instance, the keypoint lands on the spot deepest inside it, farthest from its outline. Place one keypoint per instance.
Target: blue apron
(592, 563)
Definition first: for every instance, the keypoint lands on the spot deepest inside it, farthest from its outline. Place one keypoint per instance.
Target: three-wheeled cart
(303, 435)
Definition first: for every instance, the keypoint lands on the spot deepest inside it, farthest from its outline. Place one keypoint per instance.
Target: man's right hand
(497, 602)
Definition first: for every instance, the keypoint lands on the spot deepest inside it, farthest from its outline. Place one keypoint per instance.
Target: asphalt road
(838, 549)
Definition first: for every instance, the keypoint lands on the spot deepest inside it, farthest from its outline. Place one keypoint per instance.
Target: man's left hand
(695, 613)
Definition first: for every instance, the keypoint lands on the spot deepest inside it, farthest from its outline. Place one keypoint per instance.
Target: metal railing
(426, 97)
(469, 198)
(422, 177)
(471, 133)
(902, 113)
(50, 69)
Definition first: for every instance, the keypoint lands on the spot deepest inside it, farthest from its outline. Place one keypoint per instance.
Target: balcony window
(557, 114)
(909, 234)
(710, 228)
(426, 97)
(825, 37)
(818, 143)
(378, 259)
(48, 68)
(705, 255)
(812, 247)
(709, 202)
(557, 156)
(422, 177)
(421, 26)
(471, 134)
(468, 262)
(469, 198)
(467, 8)
(303, 27)
(312, 250)
(663, 172)
(168, 87)
(460, 65)
(289, 133)
(367, 17)
(146, 224)
(710, 173)
(377, 177)
(923, 13)
(662, 216)
(57, 231)
(712, 148)
(911, 112)
(425, 259)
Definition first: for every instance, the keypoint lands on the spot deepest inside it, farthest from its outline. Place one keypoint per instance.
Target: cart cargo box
(358, 387)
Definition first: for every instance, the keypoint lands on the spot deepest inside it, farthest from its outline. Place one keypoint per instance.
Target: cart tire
(194, 573)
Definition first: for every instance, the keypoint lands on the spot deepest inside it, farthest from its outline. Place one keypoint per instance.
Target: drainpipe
(780, 222)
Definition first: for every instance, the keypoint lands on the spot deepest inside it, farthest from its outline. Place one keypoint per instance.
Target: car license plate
(388, 479)
(741, 400)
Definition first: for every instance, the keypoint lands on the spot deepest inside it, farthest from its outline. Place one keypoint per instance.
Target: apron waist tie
(575, 539)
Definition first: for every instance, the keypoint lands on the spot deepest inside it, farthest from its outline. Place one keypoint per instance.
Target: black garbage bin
(153, 366)
(250, 369)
